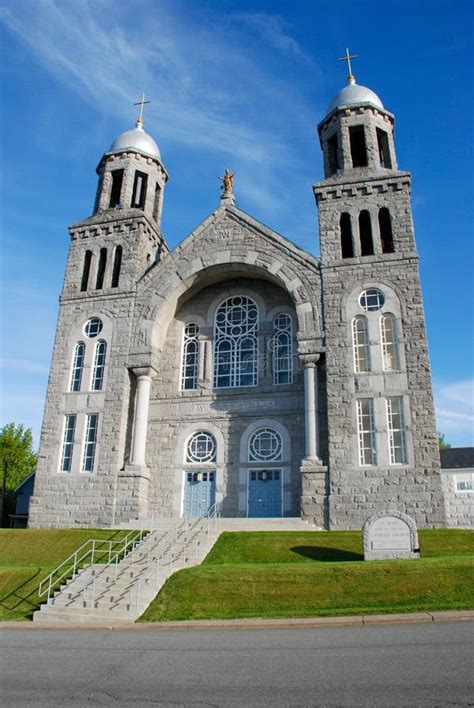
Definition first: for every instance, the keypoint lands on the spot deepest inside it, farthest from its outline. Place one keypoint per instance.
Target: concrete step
(265, 524)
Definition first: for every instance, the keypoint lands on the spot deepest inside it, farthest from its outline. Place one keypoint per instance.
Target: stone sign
(390, 534)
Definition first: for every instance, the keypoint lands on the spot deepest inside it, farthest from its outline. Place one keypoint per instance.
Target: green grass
(28, 555)
(293, 574)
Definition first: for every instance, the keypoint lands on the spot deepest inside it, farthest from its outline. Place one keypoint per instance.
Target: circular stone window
(265, 445)
(201, 447)
(371, 299)
(93, 327)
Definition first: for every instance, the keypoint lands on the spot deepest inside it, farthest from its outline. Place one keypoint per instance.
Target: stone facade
(145, 416)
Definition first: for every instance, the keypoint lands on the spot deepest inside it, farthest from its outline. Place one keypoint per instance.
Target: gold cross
(141, 104)
(348, 58)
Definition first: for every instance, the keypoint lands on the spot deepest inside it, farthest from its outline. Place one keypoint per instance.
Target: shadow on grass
(319, 553)
(21, 595)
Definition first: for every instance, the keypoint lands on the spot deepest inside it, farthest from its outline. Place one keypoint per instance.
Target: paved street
(399, 665)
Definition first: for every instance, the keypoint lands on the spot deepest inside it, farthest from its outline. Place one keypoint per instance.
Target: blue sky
(240, 85)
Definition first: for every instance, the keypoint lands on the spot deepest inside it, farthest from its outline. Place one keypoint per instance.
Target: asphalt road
(401, 665)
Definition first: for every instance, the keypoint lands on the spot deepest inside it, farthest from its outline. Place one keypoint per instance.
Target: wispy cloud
(455, 411)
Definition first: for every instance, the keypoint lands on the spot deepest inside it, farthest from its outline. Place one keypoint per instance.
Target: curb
(238, 624)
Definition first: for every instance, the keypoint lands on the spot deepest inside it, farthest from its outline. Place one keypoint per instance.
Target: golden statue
(227, 182)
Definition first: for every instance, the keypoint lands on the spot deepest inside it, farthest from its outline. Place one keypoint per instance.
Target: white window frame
(211, 457)
(361, 345)
(67, 450)
(190, 340)
(282, 337)
(77, 368)
(98, 371)
(89, 447)
(389, 342)
(395, 407)
(227, 333)
(464, 478)
(366, 432)
(276, 456)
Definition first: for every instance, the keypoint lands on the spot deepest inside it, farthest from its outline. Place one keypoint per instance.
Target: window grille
(265, 445)
(93, 327)
(201, 447)
(360, 345)
(77, 366)
(190, 362)
(235, 343)
(388, 338)
(90, 442)
(371, 299)
(68, 443)
(396, 431)
(366, 431)
(99, 365)
(282, 349)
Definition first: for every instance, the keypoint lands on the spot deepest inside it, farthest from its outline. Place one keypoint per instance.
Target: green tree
(16, 447)
(442, 444)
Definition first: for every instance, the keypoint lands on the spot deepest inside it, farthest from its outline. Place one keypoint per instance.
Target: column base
(315, 492)
(132, 493)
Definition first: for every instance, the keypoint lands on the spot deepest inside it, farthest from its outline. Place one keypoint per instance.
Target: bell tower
(383, 451)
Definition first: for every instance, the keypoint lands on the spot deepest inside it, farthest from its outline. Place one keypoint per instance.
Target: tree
(16, 447)
(442, 444)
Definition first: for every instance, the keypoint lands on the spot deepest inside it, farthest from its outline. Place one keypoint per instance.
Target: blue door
(264, 493)
(199, 492)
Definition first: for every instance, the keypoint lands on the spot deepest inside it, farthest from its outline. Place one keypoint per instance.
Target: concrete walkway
(261, 623)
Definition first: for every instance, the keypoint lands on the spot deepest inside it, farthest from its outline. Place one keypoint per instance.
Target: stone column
(140, 423)
(310, 409)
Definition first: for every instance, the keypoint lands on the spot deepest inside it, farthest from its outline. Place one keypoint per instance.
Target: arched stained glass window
(235, 343)
(77, 366)
(99, 365)
(189, 367)
(282, 349)
(201, 447)
(265, 445)
(389, 340)
(360, 344)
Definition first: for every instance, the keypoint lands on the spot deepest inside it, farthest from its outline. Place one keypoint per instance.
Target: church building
(237, 369)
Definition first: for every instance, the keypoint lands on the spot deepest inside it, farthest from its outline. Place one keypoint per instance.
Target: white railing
(91, 552)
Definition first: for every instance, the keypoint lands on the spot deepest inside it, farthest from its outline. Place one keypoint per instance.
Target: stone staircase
(118, 593)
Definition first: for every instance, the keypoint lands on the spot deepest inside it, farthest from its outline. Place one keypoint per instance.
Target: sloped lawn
(293, 574)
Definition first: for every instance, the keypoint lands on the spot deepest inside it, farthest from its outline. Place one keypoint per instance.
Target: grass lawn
(293, 574)
(28, 555)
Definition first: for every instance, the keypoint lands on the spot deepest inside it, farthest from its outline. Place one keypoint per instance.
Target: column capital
(144, 371)
(310, 360)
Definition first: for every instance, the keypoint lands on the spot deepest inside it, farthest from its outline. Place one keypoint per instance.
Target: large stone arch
(229, 244)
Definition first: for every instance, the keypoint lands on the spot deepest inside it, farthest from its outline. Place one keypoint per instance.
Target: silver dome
(352, 95)
(136, 138)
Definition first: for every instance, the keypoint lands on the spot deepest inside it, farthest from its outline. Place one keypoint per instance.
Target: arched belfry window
(389, 340)
(347, 245)
(77, 366)
(282, 349)
(86, 270)
(360, 344)
(99, 365)
(365, 234)
(189, 366)
(235, 343)
(101, 269)
(117, 266)
(386, 235)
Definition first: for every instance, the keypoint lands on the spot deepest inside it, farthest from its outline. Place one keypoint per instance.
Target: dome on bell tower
(353, 95)
(138, 139)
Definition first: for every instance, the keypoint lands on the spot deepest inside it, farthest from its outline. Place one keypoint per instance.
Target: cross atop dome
(141, 103)
(348, 57)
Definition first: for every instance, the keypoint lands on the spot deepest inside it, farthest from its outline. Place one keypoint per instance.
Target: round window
(371, 299)
(93, 327)
(265, 445)
(201, 447)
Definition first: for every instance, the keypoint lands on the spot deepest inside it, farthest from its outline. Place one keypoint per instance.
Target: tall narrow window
(333, 154)
(360, 344)
(384, 150)
(365, 233)
(99, 365)
(347, 245)
(358, 146)
(101, 269)
(117, 266)
(189, 367)
(139, 190)
(386, 235)
(396, 431)
(389, 339)
(86, 269)
(116, 190)
(68, 443)
(366, 430)
(282, 349)
(77, 366)
(235, 343)
(157, 202)
(90, 442)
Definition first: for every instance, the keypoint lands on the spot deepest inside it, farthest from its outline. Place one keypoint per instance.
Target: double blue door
(199, 492)
(264, 498)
